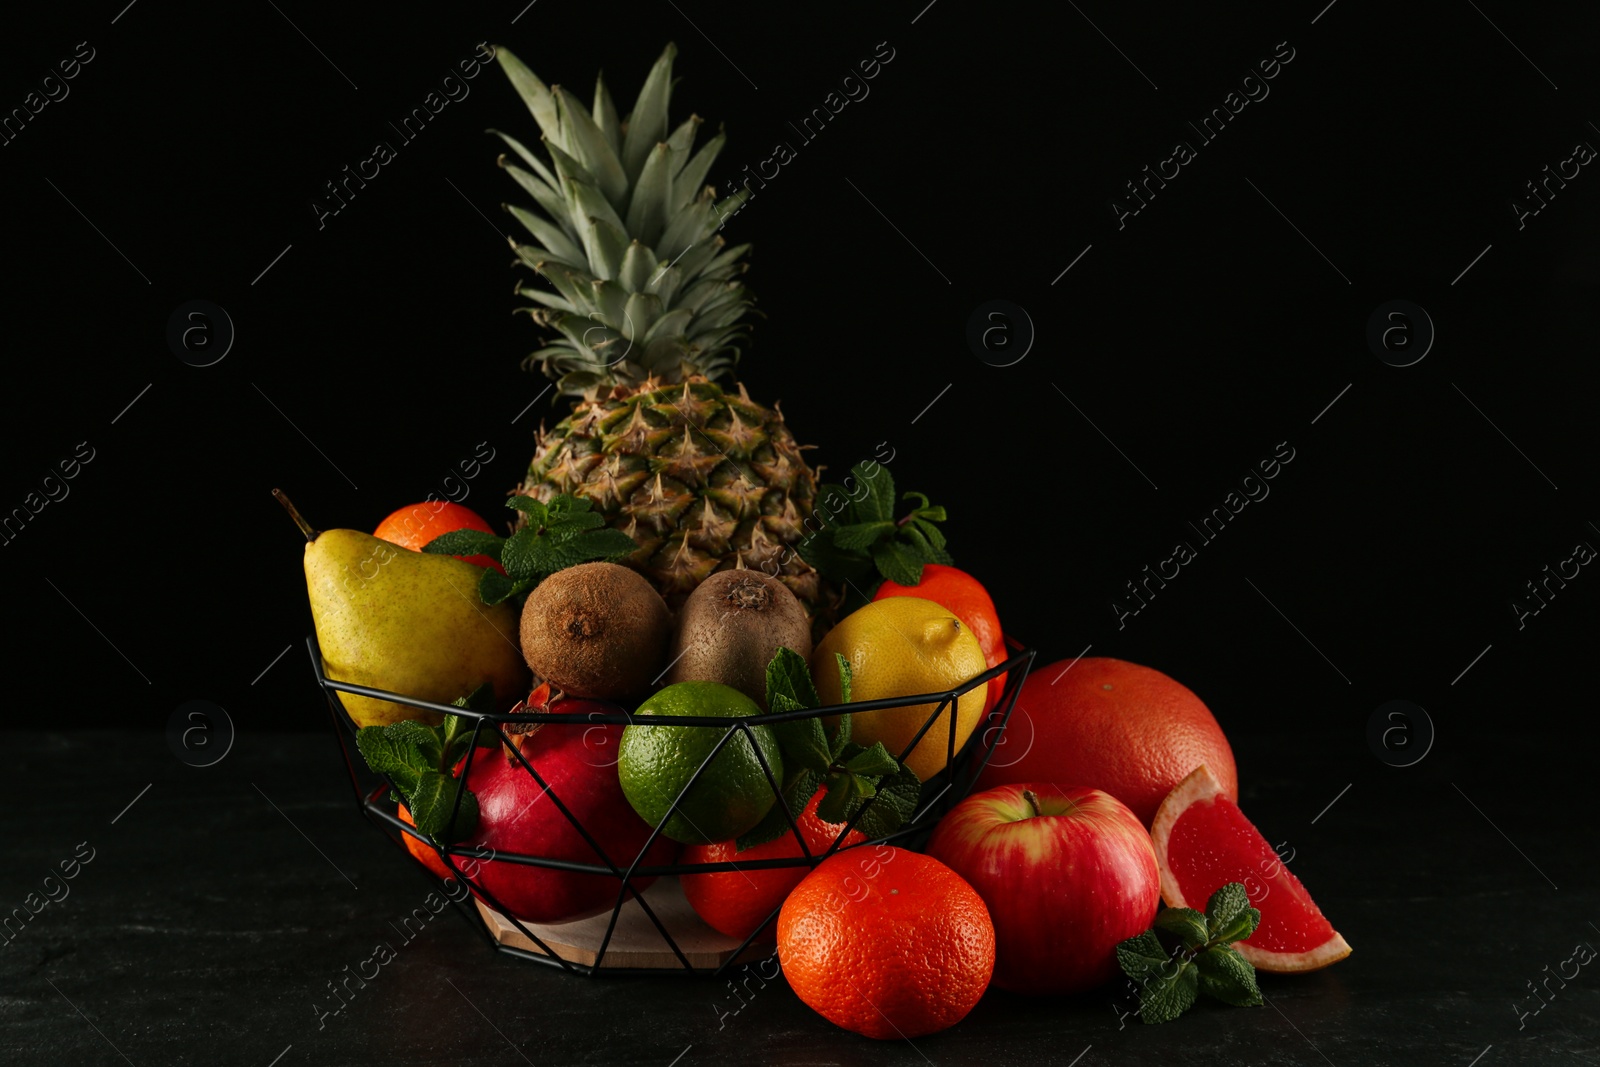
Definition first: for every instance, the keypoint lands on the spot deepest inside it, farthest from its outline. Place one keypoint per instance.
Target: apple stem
(294, 513)
(1033, 801)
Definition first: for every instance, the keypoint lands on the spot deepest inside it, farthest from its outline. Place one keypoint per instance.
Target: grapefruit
(1203, 842)
(1111, 725)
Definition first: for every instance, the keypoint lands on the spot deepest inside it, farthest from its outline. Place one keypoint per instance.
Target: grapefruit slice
(1203, 842)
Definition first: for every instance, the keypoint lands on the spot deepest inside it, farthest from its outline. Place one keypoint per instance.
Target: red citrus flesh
(1203, 842)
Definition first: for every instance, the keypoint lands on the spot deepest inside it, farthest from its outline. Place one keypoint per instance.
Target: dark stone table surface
(217, 903)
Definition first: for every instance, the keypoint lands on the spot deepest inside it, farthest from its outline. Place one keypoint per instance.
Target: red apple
(1067, 873)
(518, 815)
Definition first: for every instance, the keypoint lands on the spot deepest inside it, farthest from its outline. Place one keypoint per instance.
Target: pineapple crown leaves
(643, 285)
(862, 542)
(556, 535)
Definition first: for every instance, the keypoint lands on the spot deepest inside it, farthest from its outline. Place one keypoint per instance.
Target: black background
(1226, 317)
(380, 349)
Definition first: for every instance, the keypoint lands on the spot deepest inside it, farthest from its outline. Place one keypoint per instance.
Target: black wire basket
(650, 928)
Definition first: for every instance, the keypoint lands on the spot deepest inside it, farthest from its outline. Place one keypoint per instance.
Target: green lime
(729, 796)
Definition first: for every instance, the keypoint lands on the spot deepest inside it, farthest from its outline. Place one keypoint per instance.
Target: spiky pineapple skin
(701, 478)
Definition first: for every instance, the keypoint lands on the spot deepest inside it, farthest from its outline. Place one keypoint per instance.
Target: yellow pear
(408, 622)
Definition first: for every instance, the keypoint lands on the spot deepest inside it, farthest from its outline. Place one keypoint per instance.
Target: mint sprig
(1196, 956)
(420, 761)
(856, 777)
(560, 534)
(864, 542)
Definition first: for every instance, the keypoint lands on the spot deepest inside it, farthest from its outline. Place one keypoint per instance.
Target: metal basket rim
(1020, 654)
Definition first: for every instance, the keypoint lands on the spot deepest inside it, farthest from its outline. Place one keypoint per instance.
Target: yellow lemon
(901, 647)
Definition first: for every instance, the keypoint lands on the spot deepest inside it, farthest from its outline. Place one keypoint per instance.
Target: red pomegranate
(577, 763)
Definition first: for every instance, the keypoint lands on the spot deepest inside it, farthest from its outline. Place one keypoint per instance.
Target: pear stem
(294, 513)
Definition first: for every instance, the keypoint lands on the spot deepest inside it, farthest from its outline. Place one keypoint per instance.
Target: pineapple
(645, 312)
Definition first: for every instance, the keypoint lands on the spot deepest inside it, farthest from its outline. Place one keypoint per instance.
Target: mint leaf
(607, 546)
(1229, 916)
(845, 676)
(457, 733)
(925, 510)
(556, 535)
(1203, 962)
(934, 535)
(538, 553)
(898, 563)
(576, 521)
(922, 546)
(1188, 925)
(788, 675)
(803, 742)
(852, 774)
(860, 535)
(1228, 976)
(522, 555)
(534, 509)
(1167, 985)
(862, 540)
(456, 746)
(424, 738)
(877, 503)
(775, 824)
(874, 762)
(843, 567)
(895, 803)
(457, 730)
(844, 790)
(565, 505)
(419, 762)
(494, 587)
(394, 756)
(836, 504)
(557, 550)
(465, 543)
(841, 737)
(1142, 957)
(1165, 998)
(480, 699)
(432, 802)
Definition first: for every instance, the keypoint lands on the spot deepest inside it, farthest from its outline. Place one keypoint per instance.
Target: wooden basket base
(636, 943)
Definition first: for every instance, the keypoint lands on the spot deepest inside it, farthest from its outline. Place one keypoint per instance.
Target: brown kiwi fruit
(596, 630)
(730, 628)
